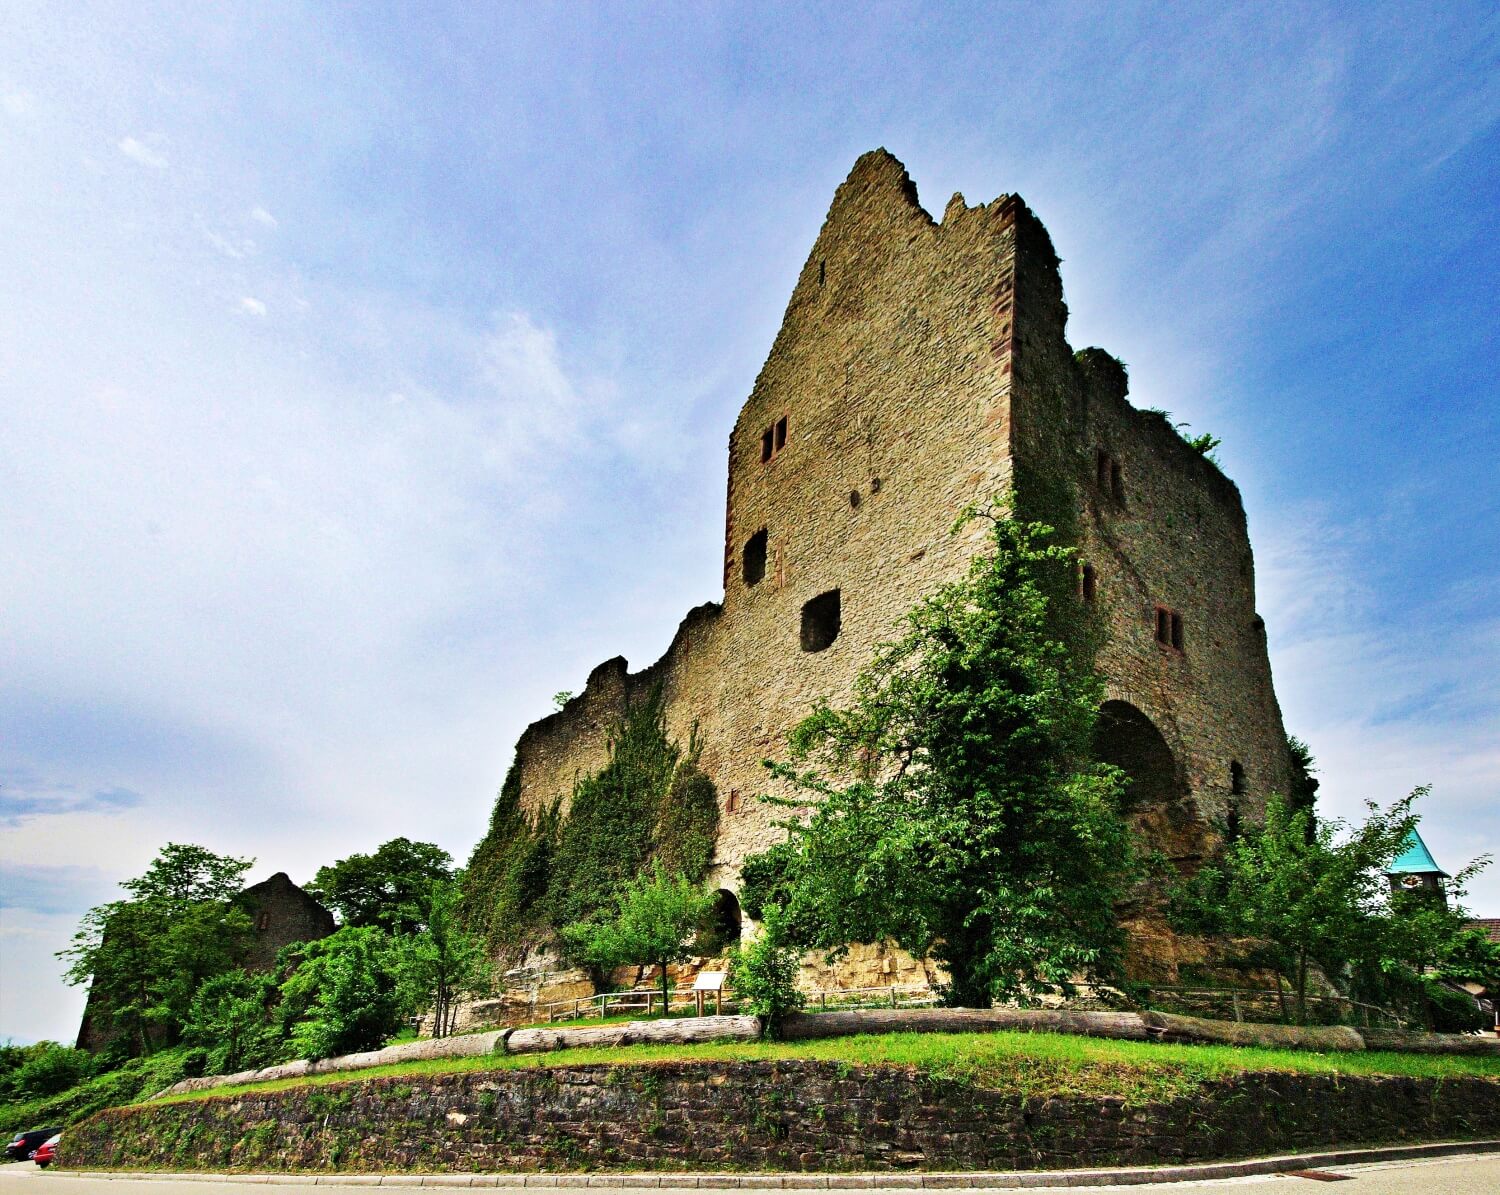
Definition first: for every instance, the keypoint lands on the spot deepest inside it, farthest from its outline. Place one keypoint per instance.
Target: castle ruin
(923, 366)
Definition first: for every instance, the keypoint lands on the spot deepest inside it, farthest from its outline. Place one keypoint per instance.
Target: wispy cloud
(25, 796)
(251, 306)
(261, 216)
(139, 151)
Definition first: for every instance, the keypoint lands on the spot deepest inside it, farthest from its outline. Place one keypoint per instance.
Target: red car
(46, 1152)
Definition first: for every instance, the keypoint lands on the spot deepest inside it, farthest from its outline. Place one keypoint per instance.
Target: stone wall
(786, 1115)
(922, 366)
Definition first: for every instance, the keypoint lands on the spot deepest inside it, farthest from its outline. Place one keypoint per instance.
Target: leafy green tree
(143, 958)
(443, 964)
(343, 997)
(231, 1020)
(955, 807)
(1424, 949)
(43, 1069)
(1302, 792)
(1314, 892)
(763, 974)
(655, 922)
(386, 888)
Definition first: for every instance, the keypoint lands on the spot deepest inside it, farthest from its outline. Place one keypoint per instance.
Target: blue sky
(366, 374)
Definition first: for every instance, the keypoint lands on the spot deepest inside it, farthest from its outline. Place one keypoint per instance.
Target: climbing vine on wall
(531, 875)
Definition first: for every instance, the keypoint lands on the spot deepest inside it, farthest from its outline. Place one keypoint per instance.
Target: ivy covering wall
(532, 874)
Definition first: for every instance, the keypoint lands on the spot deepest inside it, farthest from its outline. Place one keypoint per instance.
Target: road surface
(1465, 1175)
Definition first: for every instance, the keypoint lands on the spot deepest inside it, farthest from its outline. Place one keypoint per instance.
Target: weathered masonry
(922, 366)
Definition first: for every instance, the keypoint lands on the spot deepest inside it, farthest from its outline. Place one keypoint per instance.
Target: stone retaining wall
(786, 1114)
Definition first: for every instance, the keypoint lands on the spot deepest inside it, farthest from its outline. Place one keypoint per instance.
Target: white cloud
(139, 151)
(249, 306)
(1385, 708)
(17, 103)
(261, 216)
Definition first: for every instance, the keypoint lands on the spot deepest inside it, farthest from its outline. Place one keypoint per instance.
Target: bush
(346, 992)
(229, 1021)
(763, 975)
(136, 1080)
(32, 1072)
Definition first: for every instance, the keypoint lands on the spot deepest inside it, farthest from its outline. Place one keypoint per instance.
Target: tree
(384, 889)
(230, 1018)
(764, 974)
(1318, 893)
(143, 958)
(955, 807)
(656, 919)
(440, 966)
(343, 997)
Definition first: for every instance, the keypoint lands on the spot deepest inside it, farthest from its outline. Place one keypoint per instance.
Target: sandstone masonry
(788, 1114)
(923, 366)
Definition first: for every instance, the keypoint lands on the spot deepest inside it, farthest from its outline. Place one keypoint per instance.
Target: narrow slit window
(767, 446)
(753, 560)
(1164, 626)
(822, 271)
(1089, 583)
(822, 618)
(1116, 481)
(1176, 630)
(781, 433)
(732, 801)
(1236, 778)
(1101, 470)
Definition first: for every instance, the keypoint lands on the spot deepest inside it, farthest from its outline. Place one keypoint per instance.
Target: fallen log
(678, 1031)
(1128, 1026)
(1417, 1042)
(1169, 1027)
(409, 1051)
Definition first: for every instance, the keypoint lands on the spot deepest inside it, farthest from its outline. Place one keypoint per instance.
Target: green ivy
(688, 825)
(532, 875)
(606, 838)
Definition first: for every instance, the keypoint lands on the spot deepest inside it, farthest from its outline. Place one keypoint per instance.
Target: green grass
(1029, 1064)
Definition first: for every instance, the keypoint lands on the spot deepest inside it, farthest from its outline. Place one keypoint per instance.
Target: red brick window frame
(1168, 627)
(773, 440)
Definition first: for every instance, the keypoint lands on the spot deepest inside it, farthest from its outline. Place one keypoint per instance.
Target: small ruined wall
(783, 1115)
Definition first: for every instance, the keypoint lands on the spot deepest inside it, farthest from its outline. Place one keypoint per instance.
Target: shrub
(763, 975)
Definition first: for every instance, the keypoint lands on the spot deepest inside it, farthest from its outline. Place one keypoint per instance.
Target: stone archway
(1157, 801)
(725, 921)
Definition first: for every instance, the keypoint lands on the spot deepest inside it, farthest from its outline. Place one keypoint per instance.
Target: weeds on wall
(532, 875)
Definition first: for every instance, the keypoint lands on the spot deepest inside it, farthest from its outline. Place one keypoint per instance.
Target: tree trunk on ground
(1302, 986)
(666, 999)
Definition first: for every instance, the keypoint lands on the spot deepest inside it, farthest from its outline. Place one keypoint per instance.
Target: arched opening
(1156, 795)
(723, 930)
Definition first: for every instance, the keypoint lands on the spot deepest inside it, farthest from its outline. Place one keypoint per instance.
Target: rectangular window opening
(781, 433)
(1176, 630)
(766, 446)
(753, 560)
(822, 618)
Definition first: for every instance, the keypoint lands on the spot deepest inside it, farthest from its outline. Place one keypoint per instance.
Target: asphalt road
(1471, 1175)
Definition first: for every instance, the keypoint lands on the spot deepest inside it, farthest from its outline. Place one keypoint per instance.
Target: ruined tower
(923, 365)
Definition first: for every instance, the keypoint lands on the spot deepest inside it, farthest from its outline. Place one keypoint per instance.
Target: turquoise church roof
(1415, 859)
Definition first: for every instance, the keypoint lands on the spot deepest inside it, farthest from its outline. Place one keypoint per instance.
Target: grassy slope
(1038, 1064)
